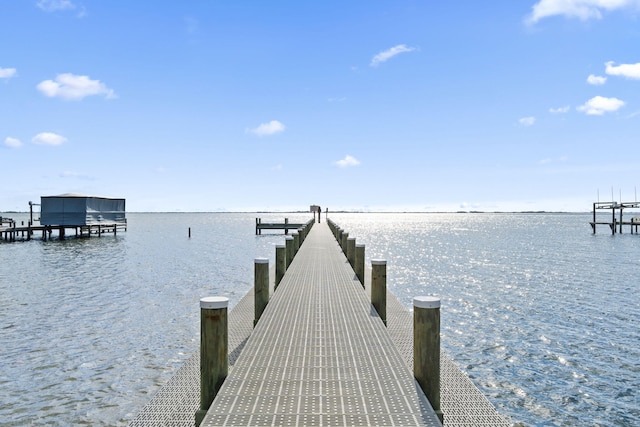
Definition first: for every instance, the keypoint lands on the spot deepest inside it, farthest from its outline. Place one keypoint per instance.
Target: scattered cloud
(390, 53)
(581, 9)
(55, 5)
(7, 73)
(277, 167)
(270, 128)
(527, 121)
(347, 162)
(48, 138)
(560, 110)
(599, 105)
(12, 142)
(74, 87)
(630, 71)
(596, 80)
(341, 99)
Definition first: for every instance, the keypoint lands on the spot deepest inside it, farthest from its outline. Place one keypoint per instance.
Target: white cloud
(12, 142)
(581, 9)
(48, 138)
(527, 121)
(390, 53)
(71, 86)
(270, 128)
(596, 80)
(54, 5)
(630, 71)
(7, 73)
(599, 105)
(560, 110)
(71, 174)
(347, 162)
(548, 161)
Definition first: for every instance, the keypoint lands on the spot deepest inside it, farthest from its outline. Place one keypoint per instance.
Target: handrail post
(379, 287)
(426, 348)
(214, 351)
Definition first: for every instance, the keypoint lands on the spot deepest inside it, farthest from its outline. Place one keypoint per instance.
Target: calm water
(539, 312)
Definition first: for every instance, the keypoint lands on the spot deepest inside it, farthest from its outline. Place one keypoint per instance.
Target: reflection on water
(539, 312)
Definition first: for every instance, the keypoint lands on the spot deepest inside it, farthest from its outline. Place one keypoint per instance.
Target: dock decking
(320, 355)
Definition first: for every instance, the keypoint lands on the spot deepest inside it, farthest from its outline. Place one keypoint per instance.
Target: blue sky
(378, 105)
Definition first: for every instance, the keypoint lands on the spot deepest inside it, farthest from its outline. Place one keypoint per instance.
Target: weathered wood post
(281, 264)
(351, 251)
(360, 263)
(296, 242)
(426, 348)
(286, 224)
(214, 351)
(343, 243)
(379, 287)
(261, 287)
(288, 241)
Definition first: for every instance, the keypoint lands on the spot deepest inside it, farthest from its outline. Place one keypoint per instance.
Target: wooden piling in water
(261, 286)
(359, 268)
(426, 348)
(379, 287)
(288, 241)
(214, 351)
(281, 264)
(351, 251)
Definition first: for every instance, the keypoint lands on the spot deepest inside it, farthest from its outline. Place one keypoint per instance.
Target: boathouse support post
(214, 351)
(286, 224)
(288, 241)
(281, 264)
(426, 348)
(360, 263)
(261, 287)
(379, 287)
(351, 251)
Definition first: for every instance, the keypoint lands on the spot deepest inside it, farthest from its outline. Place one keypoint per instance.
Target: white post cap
(214, 302)
(280, 246)
(378, 262)
(426, 302)
(359, 245)
(288, 238)
(261, 260)
(351, 238)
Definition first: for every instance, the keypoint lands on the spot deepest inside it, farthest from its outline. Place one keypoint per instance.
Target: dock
(616, 224)
(12, 233)
(320, 354)
(286, 225)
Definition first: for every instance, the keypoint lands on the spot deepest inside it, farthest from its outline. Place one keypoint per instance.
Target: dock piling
(214, 351)
(289, 250)
(261, 286)
(281, 264)
(426, 348)
(379, 287)
(351, 251)
(359, 268)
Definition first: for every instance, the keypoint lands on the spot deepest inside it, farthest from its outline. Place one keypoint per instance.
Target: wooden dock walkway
(320, 355)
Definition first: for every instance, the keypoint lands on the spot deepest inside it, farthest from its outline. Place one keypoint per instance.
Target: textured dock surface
(320, 355)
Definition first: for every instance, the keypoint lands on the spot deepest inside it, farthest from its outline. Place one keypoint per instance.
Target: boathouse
(81, 210)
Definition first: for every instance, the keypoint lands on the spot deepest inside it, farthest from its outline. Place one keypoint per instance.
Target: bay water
(538, 311)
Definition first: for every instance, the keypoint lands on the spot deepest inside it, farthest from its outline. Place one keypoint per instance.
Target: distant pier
(12, 233)
(286, 225)
(616, 223)
(314, 350)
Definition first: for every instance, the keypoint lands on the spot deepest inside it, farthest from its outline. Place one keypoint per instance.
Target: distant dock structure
(84, 214)
(616, 223)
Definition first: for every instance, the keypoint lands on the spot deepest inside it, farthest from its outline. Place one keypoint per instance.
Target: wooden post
(288, 241)
(594, 218)
(261, 287)
(296, 242)
(189, 232)
(360, 263)
(613, 221)
(281, 264)
(351, 251)
(379, 287)
(621, 209)
(343, 243)
(426, 348)
(214, 351)
(286, 223)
